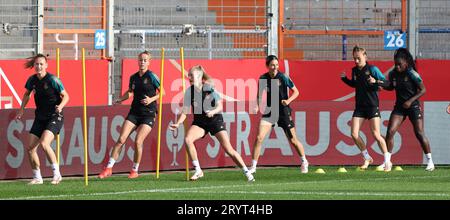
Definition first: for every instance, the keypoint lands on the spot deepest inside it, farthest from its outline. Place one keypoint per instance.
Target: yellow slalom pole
(185, 122)
(161, 93)
(86, 160)
(58, 144)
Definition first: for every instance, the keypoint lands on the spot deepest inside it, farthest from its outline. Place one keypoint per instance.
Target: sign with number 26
(394, 40)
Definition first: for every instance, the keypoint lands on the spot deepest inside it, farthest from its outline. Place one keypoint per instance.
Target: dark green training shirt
(141, 87)
(47, 94)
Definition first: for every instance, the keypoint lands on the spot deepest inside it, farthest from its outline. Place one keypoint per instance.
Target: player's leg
(263, 130)
(224, 141)
(375, 129)
(141, 133)
(127, 128)
(356, 124)
(424, 142)
(292, 137)
(45, 141)
(194, 133)
(34, 159)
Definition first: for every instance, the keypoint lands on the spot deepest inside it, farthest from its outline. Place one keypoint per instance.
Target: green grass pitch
(274, 183)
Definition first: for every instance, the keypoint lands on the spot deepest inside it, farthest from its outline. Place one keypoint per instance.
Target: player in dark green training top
(50, 98)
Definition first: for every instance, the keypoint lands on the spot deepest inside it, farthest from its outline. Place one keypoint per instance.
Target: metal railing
(18, 37)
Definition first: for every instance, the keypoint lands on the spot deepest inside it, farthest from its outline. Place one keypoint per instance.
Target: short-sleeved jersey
(202, 101)
(145, 85)
(366, 93)
(47, 94)
(406, 85)
(283, 83)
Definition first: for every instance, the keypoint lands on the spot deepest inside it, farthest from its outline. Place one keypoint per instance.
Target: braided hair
(404, 54)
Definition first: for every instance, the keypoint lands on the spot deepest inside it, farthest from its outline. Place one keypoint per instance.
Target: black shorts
(284, 121)
(138, 120)
(212, 127)
(54, 124)
(367, 113)
(414, 112)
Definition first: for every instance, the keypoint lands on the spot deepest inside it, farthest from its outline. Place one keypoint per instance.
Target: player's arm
(420, 88)
(420, 92)
(65, 99)
(25, 99)
(293, 89)
(184, 111)
(217, 109)
(349, 82)
(382, 82)
(126, 95)
(293, 96)
(156, 83)
(258, 97)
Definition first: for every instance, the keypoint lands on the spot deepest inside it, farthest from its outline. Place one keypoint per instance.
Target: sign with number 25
(100, 40)
(394, 40)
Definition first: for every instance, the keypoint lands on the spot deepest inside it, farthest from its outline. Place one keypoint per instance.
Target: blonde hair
(205, 76)
(146, 53)
(357, 48)
(31, 60)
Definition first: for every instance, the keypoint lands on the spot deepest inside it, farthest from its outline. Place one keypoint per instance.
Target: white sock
(245, 169)
(55, 168)
(254, 163)
(135, 167)
(196, 165)
(37, 174)
(387, 157)
(366, 155)
(111, 163)
(429, 158)
(304, 159)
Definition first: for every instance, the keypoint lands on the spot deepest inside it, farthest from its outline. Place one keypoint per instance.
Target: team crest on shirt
(394, 83)
(367, 73)
(145, 81)
(406, 79)
(279, 82)
(45, 86)
(133, 86)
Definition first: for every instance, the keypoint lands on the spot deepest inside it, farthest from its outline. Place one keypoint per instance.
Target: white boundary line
(199, 190)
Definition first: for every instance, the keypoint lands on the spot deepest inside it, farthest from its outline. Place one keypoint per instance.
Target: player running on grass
(50, 98)
(207, 107)
(409, 88)
(280, 112)
(366, 105)
(143, 87)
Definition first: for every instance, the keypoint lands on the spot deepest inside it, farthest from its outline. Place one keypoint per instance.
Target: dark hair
(31, 60)
(404, 54)
(147, 53)
(270, 58)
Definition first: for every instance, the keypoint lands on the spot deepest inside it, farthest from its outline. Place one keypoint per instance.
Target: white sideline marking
(328, 193)
(198, 189)
(10, 86)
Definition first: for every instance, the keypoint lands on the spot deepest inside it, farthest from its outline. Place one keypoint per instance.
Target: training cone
(342, 170)
(379, 168)
(359, 169)
(320, 170)
(398, 168)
